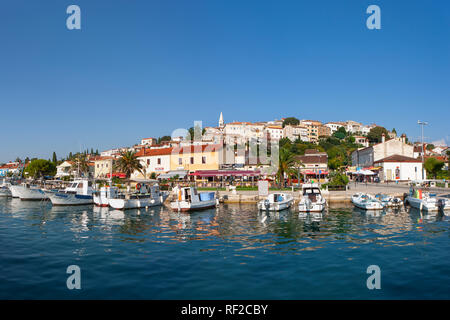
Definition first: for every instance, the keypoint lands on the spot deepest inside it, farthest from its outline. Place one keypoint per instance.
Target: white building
(296, 132)
(334, 126)
(153, 160)
(365, 157)
(148, 141)
(362, 140)
(64, 169)
(400, 168)
(274, 132)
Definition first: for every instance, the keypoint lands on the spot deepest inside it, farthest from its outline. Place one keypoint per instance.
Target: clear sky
(144, 68)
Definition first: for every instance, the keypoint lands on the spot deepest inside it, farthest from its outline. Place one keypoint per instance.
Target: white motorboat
(148, 196)
(26, 191)
(4, 189)
(426, 201)
(366, 202)
(79, 192)
(101, 198)
(188, 199)
(389, 201)
(276, 202)
(312, 199)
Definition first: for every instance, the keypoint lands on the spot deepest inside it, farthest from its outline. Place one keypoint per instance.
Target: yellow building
(102, 166)
(199, 157)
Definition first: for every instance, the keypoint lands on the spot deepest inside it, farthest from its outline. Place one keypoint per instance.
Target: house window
(148, 162)
(180, 161)
(203, 160)
(192, 160)
(159, 160)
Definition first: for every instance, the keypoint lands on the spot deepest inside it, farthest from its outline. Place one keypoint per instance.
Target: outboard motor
(266, 204)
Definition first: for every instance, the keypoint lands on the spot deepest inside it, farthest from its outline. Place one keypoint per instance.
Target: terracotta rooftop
(145, 152)
(398, 158)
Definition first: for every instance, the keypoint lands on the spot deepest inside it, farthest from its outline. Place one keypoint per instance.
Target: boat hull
(185, 206)
(367, 205)
(276, 206)
(25, 193)
(70, 199)
(122, 204)
(100, 201)
(421, 204)
(315, 207)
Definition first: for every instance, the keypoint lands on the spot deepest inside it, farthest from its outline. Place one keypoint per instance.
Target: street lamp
(422, 123)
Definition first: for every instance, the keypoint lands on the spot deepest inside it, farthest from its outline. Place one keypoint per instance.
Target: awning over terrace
(226, 173)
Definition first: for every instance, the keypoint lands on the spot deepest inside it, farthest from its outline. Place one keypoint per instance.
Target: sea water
(232, 252)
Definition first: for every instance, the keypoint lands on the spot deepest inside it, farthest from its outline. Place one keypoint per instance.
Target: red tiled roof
(313, 159)
(397, 158)
(145, 152)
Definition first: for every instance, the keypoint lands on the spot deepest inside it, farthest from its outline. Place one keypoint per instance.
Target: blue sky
(144, 68)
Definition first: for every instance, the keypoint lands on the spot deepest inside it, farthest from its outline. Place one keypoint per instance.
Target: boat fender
(138, 186)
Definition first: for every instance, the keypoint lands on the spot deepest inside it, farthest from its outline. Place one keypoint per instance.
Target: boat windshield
(311, 191)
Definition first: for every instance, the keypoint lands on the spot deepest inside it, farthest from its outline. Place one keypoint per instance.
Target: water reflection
(231, 225)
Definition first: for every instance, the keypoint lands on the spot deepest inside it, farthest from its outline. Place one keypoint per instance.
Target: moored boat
(148, 196)
(79, 192)
(188, 199)
(312, 199)
(26, 191)
(366, 202)
(101, 197)
(426, 201)
(389, 201)
(276, 202)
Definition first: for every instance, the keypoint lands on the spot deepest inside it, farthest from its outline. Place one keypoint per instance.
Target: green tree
(291, 121)
(153, 175)
(286, 164)
(433, 166)
(128, 163)
(164, 138)
(39, 168)
(376, 133)
(55, 159)
(430, 146)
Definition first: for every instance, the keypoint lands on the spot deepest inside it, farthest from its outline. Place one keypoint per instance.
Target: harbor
(229, 252)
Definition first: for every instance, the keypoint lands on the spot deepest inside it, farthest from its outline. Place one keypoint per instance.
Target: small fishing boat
(312, 199)
(188, 199)
(101, 197)
(79, 192)
(389, 201)
(426, 201)
(27, 191)
(366, 202)
(147, 196)
(276, 202)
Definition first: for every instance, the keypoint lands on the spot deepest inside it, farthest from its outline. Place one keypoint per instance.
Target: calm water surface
(232, 252)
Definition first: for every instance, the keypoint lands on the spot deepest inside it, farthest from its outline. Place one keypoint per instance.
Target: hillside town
(224, 153)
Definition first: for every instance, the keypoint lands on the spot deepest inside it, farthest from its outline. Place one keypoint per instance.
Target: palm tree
(287, 163)
(80, 164)
(128, 163)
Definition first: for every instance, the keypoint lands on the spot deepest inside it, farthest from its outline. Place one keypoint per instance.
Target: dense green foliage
(375, 134)
(39, 168)
(433, 166)
(291, 121)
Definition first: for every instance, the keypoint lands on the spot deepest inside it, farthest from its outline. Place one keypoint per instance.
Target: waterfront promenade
(393, 189)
